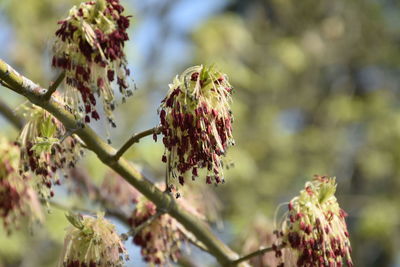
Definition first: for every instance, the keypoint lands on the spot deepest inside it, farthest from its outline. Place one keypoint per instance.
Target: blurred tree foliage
(316, 93)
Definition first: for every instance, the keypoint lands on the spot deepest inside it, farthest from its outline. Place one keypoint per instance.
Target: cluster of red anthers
(10, 202)
(89, 48)
(46, 147)
(315, 226)
(162, 239)
(17, 198)
(197, 123)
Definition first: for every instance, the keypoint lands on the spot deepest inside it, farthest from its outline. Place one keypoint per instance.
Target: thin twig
(134, 231)
(257, 253)
(198, 244)
(82, 144)
(9, 114)
(3, 83)
(61, 206)
(109, 212)
(53, 87)
(135, 139)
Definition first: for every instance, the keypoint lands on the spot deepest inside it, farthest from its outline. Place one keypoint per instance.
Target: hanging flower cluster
(46, 147)
(17, 198)
(89, 48)
(315, 226)
(162, 239)
(197, 123)
(92, 242)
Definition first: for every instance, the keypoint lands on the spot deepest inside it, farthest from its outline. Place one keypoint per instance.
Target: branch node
(133, 232)
(69, 133)
(8, 113)
(109, 160)
(53, 87)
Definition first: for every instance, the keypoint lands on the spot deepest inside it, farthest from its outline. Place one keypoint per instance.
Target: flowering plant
(162, 238)
(46, 147)
(315, 226)
(89, 48)
(17, 198)
(92, 241)
(196, 123)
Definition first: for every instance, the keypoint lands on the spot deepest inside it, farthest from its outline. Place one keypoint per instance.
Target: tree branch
(105, 153)
(84, 181)
(256, 253)
(198, 244)
(53, 87)
(135, 139)
(9, 114)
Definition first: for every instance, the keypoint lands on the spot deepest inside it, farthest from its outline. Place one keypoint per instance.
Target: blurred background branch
(10, 115)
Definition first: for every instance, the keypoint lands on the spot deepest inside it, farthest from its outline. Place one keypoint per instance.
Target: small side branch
(257, 253)
(9, 114)
(63, 207)
(3, 83)
(135, 139)
(139, 228)
(198, 244)
(54, 86)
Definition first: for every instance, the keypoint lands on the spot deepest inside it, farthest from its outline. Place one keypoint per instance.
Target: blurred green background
(316, 92)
